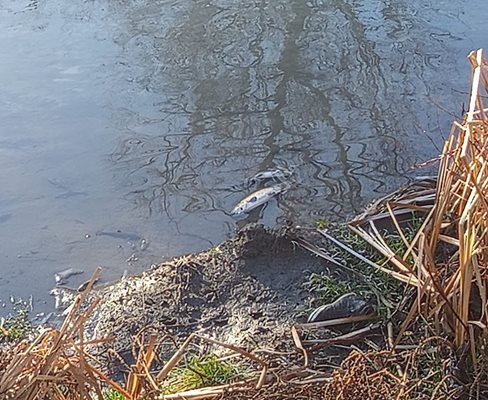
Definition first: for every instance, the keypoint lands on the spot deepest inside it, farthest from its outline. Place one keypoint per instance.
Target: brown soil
(247, 291)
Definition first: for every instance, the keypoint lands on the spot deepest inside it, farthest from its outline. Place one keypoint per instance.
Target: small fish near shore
(258, 198)
(62, 276)
(276, 175)
(134, 237)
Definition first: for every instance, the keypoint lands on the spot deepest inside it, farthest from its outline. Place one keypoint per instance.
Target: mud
(247, 291)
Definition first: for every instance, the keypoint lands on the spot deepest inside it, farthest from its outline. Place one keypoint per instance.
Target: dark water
(128, 129)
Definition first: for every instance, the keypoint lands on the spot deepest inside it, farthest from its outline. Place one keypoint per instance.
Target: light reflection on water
(148, 118)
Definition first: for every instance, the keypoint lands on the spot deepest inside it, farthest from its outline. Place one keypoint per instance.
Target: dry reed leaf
(298, 343)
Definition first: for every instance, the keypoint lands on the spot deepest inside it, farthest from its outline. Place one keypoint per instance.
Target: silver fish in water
(275, 174)
(62, 276)
(258, 198)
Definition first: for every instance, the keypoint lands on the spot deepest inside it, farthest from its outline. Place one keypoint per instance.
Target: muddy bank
(247, 291)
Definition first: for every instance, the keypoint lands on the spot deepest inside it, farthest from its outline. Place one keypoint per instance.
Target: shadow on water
(162, 110)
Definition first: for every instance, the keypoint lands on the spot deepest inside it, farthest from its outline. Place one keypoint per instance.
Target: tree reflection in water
(338, 90)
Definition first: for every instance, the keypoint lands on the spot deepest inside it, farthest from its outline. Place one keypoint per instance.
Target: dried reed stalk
(54, 358)
(55, 365)
(455, 214)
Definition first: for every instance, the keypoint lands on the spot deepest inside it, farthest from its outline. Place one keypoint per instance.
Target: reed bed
(55, 364)
(446, 261)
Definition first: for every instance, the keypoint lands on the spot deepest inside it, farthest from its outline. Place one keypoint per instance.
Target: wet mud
(247, 291)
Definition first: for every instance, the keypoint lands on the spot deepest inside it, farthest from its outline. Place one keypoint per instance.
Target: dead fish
(257, 198)
(62, 276)
(275, 174)
(67, 195)
(46, 318)
(120, 235)
(143, 245)
(345, 306)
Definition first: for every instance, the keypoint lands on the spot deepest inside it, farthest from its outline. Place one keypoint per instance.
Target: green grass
(322, 223)
(395, 242)
(326, 289)
(112, 394)
(215, 250)
(17, 326)
(371, 284)
(202, 372)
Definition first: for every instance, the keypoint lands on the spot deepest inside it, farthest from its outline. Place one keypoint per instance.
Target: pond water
(129, 129)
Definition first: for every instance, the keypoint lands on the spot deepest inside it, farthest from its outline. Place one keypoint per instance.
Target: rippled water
(129, 129)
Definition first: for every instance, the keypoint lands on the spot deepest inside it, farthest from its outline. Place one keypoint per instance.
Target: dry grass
(56, 365)
(447, 260)
(449, 252)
